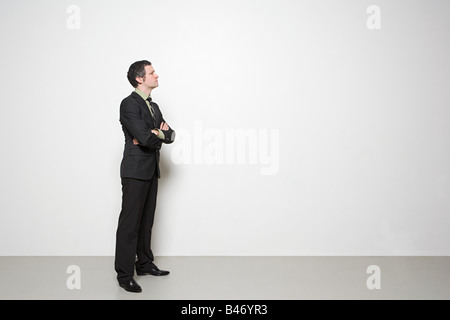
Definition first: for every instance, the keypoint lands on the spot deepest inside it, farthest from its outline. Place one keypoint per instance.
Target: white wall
(345, 128)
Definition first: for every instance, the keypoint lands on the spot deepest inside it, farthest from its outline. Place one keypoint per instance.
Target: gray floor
(230, 278)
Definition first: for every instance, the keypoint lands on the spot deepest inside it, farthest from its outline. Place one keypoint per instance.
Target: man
(145, 130)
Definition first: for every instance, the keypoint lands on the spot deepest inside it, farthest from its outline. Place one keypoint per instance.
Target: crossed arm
(163, 126)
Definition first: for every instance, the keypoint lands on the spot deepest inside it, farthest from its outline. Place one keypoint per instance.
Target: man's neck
(145, 90)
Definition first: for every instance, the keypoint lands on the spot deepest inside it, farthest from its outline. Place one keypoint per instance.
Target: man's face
(151, 78)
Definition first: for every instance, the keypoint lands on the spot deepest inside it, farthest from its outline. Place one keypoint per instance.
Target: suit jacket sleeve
(169, 135)
(132, 120)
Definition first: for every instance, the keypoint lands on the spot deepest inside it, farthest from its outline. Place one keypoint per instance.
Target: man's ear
(139, 80)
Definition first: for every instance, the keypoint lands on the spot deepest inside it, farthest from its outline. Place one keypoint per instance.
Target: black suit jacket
(141, 161)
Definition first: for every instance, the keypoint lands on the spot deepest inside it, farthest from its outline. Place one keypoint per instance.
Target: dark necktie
(152, 111)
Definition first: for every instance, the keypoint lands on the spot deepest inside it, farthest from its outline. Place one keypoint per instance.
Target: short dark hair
(137, 69)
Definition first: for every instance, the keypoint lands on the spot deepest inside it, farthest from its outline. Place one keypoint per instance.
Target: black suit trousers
(134, 230)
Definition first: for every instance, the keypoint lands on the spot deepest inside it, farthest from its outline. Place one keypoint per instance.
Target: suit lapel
(144, 106)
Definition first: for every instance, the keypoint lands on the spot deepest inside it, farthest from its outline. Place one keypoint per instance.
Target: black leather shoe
(131, 286)
(153, 270)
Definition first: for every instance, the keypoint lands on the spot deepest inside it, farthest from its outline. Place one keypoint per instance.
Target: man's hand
(135, 142)
(164, 126)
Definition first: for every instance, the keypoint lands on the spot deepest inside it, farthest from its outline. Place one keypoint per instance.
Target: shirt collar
(142, 94)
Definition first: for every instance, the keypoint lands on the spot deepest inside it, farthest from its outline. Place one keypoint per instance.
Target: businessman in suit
(145, 130)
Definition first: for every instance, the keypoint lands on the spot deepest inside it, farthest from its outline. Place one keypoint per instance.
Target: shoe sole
(150, 274)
